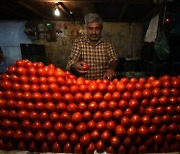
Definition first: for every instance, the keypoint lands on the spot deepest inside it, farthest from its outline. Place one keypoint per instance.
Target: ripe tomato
(107, 115)
(97, 116)
(98, 97)
(77, 117)
(81, 128)
(68, 98)
(85, 140)
(86, 66)
(107, 97)
(31, 71)
(130, 87)
(133, 104)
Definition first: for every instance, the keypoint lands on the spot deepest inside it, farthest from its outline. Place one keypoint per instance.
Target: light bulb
(57, 12)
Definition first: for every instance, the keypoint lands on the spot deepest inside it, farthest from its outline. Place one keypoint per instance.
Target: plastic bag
(161, 46)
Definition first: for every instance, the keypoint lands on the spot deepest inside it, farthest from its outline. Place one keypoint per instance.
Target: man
(93, 50)
(5, 62)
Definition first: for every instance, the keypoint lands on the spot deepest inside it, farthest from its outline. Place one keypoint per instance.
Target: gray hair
(92, 17)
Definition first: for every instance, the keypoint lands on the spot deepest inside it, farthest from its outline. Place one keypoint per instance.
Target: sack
(161, 46)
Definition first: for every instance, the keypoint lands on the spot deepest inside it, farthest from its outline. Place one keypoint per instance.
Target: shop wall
(57, 37)
(11, 35)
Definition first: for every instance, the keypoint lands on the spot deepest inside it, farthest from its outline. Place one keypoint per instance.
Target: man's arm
(111, 71)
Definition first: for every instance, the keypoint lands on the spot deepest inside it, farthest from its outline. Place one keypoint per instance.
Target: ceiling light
(56, 10)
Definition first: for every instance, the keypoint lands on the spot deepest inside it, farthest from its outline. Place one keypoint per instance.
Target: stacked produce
(43, 108)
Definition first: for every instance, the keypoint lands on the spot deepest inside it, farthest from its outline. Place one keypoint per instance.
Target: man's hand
(109, 74)
(79, 68)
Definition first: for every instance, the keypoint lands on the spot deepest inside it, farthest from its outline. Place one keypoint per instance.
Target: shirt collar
(99, 41)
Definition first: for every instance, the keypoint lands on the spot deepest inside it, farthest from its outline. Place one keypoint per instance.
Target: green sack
(161, 46)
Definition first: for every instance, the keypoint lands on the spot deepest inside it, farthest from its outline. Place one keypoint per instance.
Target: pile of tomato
(46, 109)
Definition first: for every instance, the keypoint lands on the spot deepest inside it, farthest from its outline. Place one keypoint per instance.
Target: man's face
(94, 31)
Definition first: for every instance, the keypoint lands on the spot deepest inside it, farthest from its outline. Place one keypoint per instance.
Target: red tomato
(46, 97)
(124, 80)
(43, 88)
(68, 98)
(51, 137)
(36, 96)
(82, 107)
(97, 116)
(90, 148)
(130, 86)
(87, 116)
(116, 96)
(73, 138)
(117, 114)
(69, 128)
(54, 117)
(121, 87)
(73, 89)
(43, 116)
(146, 120)
(102, 88)
(36, 126)
(65, 117)
(142, 80)
(111, 88)
(111, 126)
(112, 105)
(103, 106)
(85, 140)
(131, 132)
(58, 127)
(100, 147)
(77, 117)
(125, 122)
(143, 131)
(107, 115)
(42, 80)
(78, 97)
(31, 71)
(98, 97)
(81, 128)
(34, 88)
(126, 96)
(150, 111)
(41, 72)
(53, 87)
(56, 148)
(147, 93)
(151, 79)
(133, 104)
(107, 97)
(92, 106)
(5, 85)
(95, 135)
(85, 66)
(93, 88)
(11, 69)
(51, 79)
(50, 107)
(105, 136)
(157, 83)
(21, 71)
(63, 90)
(100, 126)
(137, 95)
(91, 125)
(136, 120)
(123, 104)
(23, 79)
(19, 63)
(39, 137)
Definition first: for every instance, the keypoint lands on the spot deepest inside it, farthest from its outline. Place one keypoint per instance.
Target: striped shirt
(97, 57)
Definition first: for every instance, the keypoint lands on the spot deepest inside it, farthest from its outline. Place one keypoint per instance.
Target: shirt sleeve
(74, 55)
(111, 52)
